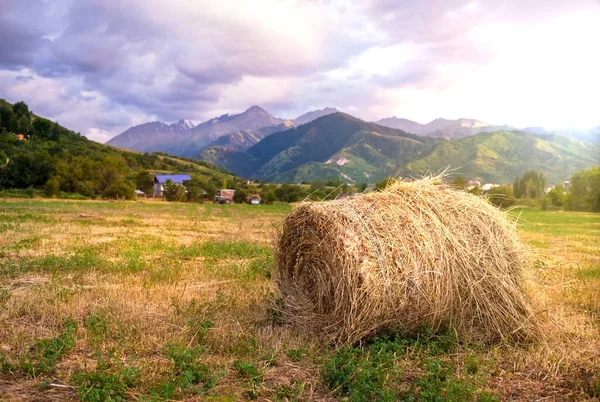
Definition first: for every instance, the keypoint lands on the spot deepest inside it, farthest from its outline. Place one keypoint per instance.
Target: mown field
(158, 301)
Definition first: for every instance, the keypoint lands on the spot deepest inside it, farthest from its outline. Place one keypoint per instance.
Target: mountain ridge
(326, 141)
(186, 139)
(440, 127)
(342, 146)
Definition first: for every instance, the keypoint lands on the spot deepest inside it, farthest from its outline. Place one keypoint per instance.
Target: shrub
(119, 189)
(501, 196)
(174, 191)
(52, 187)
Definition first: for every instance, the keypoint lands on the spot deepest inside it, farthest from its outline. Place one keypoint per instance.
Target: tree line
(582, 193)
(59, 161)
(319, 189)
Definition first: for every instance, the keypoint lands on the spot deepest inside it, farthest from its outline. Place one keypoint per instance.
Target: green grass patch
(110, 381)
(251, 374)
(188, 376)
(589, 273)
(198, 318)
(17, 193)
(373, 371)
(4, 296)
(290, 393)
(44, 354)
(82, 260)
(557, 223)
(248, 371)
(295, 355)
(97, 327)
(221, 250)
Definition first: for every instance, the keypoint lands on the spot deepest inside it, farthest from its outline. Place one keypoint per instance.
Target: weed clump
(109, 382)
(188, 376)
(45, 353)
(374, 371)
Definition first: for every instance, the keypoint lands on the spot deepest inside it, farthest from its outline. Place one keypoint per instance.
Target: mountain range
(339, 145)
(241, 131)
(152, 137)
(336, 145)
(327, 144)
(590, 135)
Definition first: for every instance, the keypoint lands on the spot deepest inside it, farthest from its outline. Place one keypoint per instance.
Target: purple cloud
(106, 65)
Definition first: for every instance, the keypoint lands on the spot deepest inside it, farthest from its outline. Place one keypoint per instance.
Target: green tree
(336, 182)
(459, 182)
(174, 191)
(501, 196)
(240, 196)
(556, 196)
(585, 190)
(52, 187)
(194, 190)
(144, 181)
(9, 120)
(531, 186)
(24, 125)
(55, 134)
(361, 187)
(20, 109)
(269, 197)
(26, 170)
(42, 127)
(120, 189)
(291, 193)
(210, 189)
(110, 171)
(317, 184)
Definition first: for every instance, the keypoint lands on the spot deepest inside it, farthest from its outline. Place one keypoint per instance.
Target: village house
(488, 186)
(471, 184)
(224, 196)
(566, 185)
(253, 199)
(161, 179)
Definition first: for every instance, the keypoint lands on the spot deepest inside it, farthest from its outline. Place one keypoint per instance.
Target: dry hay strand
(417, 255)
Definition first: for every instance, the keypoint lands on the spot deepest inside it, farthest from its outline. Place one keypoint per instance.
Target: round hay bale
(416, 255)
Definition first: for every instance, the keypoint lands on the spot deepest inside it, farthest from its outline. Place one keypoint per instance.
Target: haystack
(416, 255)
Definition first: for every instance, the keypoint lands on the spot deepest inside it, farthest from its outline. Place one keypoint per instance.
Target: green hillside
(56, 159)
(366, 157)
(341, 146)
(336, 145)
(504, 155)
(239, 162)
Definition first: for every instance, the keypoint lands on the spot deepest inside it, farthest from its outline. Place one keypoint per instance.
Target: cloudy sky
(100, 66)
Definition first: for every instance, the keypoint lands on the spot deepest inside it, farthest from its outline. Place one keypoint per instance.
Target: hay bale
(416, 255)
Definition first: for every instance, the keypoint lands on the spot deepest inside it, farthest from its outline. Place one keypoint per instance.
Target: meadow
(171, 301)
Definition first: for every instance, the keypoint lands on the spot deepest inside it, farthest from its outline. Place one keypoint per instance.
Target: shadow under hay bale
(412, 256)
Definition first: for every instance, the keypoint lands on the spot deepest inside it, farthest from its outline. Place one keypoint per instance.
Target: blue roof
(175, 178)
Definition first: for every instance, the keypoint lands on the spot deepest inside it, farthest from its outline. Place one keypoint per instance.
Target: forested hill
(37, 153)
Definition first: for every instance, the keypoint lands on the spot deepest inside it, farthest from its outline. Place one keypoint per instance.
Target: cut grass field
(157, 301)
